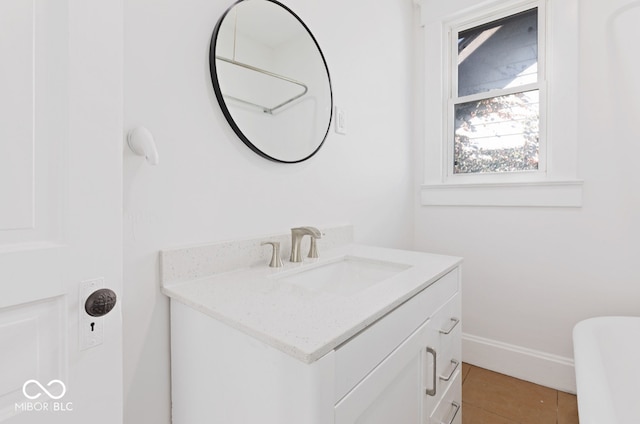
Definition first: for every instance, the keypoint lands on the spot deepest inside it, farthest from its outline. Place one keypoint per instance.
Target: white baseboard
(531, 365)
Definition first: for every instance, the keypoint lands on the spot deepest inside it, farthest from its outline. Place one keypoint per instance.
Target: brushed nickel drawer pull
(432, 391)
(455, 367)
(456, 405)
(455, 321)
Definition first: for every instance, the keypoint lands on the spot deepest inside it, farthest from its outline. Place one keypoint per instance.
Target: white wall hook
(142, 143)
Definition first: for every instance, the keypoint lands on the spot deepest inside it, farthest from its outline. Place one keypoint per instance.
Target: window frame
(555, 182)
(454, 28)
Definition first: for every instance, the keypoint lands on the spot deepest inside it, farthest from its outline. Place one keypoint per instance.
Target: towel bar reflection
(265, 109)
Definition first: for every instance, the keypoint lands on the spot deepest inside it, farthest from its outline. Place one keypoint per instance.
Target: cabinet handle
(455, 321)
(456, 405)
(432, 392)
(455, 367)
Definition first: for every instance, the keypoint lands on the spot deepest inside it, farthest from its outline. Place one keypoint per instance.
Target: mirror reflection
(271, 80)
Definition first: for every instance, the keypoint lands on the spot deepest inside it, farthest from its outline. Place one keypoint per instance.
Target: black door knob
(100, 302)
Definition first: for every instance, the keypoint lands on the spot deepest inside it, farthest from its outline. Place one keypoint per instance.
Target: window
(504, 130)
(496, 129)
(495, 101)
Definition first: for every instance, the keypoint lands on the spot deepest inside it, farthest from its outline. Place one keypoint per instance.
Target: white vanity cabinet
(418, 380)
(400, 366)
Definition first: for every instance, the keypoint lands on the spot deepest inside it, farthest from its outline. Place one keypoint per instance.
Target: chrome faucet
(296, 237)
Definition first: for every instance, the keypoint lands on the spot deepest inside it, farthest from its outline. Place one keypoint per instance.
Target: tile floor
(492, 398)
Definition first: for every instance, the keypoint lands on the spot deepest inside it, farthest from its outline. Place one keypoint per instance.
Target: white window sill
(566, 194)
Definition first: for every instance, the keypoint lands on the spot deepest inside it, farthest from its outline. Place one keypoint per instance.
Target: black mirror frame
(223, 105)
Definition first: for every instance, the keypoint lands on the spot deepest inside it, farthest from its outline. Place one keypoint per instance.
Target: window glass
(498, 55)
(497, 134)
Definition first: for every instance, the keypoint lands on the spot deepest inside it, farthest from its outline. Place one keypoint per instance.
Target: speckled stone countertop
(303, 322)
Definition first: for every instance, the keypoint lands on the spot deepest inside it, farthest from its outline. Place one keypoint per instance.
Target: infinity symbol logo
(43, 389)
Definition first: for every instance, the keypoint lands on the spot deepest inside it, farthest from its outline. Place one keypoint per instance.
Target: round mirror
(271, 80)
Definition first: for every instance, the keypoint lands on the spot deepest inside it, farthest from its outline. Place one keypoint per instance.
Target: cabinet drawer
(444, 358)
(356, 358)
(449, 410)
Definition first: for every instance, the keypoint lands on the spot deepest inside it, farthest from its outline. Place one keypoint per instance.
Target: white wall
(210, 187)
(530, 274)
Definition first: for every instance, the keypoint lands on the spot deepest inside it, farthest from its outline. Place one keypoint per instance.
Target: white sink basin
(343, 276)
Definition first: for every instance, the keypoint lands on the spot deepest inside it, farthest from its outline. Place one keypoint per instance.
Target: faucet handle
(313, 249)
(276, 260)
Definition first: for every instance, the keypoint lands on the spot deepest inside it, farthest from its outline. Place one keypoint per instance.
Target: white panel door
(60, 209)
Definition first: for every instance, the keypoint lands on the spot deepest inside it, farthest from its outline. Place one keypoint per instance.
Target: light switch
(340, 121)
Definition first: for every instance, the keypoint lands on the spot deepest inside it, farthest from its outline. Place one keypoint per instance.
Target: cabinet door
(393, 391)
